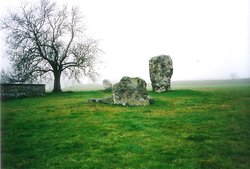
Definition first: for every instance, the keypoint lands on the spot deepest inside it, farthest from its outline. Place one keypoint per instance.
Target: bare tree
(46, 40)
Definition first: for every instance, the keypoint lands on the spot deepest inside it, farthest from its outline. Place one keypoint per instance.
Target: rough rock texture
(161, 70)
(107, 85)
(131, 92)
(105, 100)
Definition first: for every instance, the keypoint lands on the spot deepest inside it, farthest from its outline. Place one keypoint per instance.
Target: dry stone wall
(21, 90)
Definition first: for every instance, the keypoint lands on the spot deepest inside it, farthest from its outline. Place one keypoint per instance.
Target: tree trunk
(57, 84)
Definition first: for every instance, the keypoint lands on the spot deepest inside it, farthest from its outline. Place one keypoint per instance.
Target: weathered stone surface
(131, 92)
(161, 70)
(107, 85)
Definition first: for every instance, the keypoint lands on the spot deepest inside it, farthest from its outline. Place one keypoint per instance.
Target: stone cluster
(133, 92)
(128, 92)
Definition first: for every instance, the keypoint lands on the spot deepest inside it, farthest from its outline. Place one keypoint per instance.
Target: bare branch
(44, 39)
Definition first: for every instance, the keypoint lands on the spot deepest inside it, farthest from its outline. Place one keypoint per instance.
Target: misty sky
(206, 39)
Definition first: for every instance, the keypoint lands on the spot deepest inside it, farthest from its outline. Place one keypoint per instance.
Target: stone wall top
(20, 84)
(21, 90)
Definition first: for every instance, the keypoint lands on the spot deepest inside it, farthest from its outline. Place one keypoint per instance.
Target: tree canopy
(44, 40)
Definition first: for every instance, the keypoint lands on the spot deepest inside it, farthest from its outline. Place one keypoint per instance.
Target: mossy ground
(196, 129)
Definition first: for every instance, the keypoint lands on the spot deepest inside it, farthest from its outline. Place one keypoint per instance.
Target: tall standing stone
(107, 85)
(161, 70)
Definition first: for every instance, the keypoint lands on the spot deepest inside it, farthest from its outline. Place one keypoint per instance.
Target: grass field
(198, 128)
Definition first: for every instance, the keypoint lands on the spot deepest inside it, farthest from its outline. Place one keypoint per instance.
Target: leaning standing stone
(161, 70)
(131, 92)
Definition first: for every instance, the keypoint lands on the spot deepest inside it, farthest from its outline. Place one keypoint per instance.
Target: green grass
(205, 128)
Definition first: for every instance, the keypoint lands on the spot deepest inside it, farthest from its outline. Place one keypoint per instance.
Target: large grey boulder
(161, 70)
(131, 92)
(107, 85)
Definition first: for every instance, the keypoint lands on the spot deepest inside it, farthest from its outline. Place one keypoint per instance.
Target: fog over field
(187, 111)
(207, 39)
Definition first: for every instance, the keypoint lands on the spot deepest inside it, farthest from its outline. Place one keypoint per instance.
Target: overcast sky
(206, 39)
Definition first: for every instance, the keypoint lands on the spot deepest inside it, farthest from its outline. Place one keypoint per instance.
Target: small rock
(107, 85)
(105, 100)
